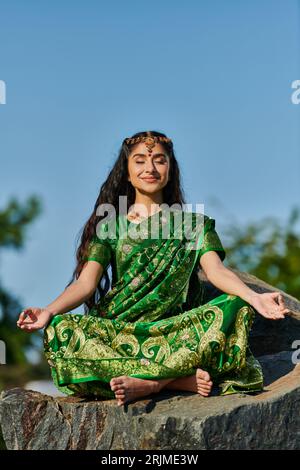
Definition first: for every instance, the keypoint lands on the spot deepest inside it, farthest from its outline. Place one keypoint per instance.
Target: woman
(153, 329)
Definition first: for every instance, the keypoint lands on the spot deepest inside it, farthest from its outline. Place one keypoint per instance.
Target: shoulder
(204, 219)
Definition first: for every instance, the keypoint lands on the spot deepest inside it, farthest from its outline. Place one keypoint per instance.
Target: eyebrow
(143, 155)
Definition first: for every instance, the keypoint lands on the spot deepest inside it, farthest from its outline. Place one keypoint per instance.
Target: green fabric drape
(153, 322)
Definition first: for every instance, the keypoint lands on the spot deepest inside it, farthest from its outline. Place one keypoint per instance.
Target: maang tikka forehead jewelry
(149, 141)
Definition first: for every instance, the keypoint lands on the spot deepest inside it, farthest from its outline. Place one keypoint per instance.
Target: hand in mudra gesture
(270, 305)
(33, 318)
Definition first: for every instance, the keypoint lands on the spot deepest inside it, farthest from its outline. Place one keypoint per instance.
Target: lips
(150, 180)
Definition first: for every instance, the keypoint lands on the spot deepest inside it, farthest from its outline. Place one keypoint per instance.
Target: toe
(203, 391)
(204, 383)
(121, 400)
(204, 387)
(203, 375)
(116, 380)
(117, 387)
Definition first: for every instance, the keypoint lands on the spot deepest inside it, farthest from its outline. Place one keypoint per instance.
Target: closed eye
(161, 163)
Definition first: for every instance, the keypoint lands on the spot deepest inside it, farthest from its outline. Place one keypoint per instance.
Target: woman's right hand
(34, 318)
(270, 305)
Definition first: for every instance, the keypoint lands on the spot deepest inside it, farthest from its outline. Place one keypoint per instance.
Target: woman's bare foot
(204, 384)
(128, 388)
(199, 382)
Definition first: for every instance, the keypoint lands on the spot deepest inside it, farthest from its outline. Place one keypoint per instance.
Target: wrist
(52, 311)
(250, 296)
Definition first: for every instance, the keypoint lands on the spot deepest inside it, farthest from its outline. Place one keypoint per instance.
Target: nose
(150, 167)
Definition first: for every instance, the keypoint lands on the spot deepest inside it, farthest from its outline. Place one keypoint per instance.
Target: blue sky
(81, 76)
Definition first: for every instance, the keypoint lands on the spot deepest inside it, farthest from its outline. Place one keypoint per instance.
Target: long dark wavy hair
(115, 185)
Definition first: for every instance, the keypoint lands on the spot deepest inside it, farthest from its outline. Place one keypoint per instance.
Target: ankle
(158, 385)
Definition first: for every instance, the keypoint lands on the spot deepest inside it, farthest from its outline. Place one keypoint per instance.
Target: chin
(149, 189)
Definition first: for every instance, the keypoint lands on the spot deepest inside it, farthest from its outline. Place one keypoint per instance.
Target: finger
(281, 311)
(266, 315)
(271, 315)
(22, 316)
(28, 328)
(278, 317)
(277, 298)
(281, 300)
(274, 298)
(36, 326)
(286, 311)
(24, 328)
(26, 315)
(274, 310)
(26, 322)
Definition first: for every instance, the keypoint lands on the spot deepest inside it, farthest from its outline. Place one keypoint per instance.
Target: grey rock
(2, 443)
(170, 420)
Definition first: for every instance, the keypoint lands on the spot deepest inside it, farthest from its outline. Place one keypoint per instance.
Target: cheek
(165, 171)
(134, 172)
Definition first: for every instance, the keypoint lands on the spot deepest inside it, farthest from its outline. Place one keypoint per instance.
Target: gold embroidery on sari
(128, 340)
(239, 339)
(213, 315)
(163, 348)
(49, 333)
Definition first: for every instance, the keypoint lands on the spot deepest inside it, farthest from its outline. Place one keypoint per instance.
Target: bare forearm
(73, 296)
(227, 281)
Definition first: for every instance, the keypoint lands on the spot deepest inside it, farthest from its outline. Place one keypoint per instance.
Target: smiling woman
(152, 329)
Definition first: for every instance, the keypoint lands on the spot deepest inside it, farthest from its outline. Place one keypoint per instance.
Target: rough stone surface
(174, 420)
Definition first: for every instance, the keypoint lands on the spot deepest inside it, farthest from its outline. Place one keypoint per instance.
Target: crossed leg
(129, 388)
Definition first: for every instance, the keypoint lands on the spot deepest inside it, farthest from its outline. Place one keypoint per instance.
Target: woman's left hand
(270, 305)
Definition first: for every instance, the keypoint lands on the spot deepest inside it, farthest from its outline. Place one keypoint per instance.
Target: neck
(148, 204)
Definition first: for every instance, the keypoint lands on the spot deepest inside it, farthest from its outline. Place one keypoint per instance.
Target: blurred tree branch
(14, 220)
(269, 250)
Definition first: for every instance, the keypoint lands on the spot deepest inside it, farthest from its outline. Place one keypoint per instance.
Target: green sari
(154, 322)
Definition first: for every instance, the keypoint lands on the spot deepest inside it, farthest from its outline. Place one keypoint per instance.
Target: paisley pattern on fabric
(152, 323)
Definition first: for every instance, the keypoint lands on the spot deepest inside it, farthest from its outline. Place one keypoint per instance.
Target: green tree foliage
(269, 249)
(14, 220)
